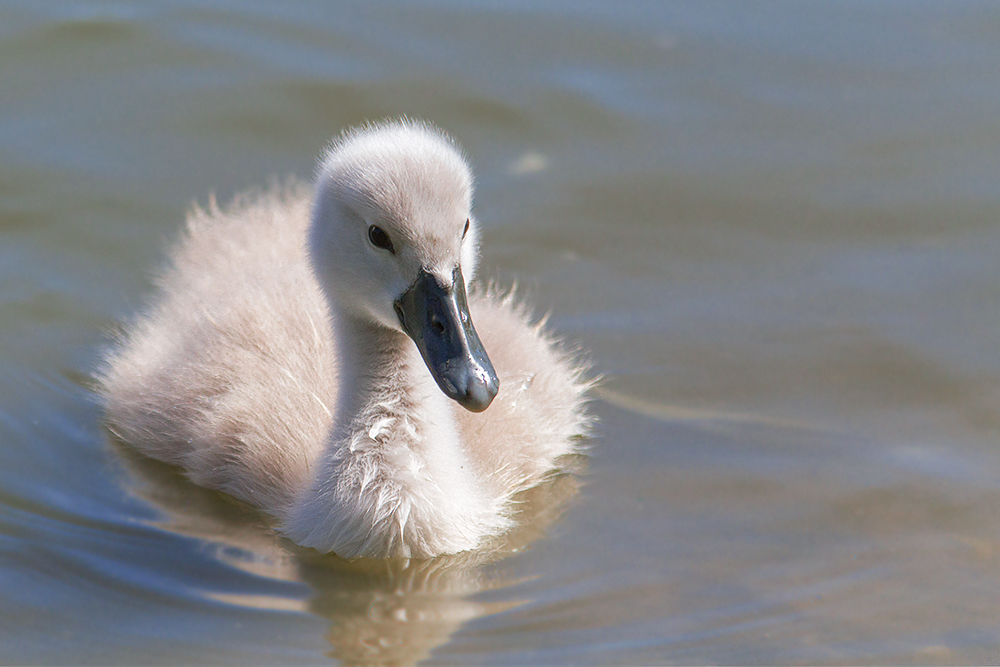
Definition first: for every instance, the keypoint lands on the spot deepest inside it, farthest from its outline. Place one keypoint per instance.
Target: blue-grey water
(775, 226)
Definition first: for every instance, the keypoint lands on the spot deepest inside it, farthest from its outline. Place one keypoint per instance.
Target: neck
(371, 363)
(394, 479)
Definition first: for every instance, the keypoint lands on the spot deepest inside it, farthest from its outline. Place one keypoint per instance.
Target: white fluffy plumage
(273, 367)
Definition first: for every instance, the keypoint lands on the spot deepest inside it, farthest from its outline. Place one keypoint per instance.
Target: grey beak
(437, 318)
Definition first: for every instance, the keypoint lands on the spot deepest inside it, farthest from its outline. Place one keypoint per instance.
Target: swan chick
(312, 351)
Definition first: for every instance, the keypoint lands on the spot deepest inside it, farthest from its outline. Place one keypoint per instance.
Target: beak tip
(479, 396)
(474, 389)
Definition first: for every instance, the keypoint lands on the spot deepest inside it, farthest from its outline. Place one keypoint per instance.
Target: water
(775, 227)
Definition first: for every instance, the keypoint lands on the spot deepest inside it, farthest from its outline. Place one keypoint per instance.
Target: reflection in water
(380, 612)
(395, 612)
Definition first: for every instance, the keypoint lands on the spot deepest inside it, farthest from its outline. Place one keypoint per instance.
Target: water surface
(774, 227)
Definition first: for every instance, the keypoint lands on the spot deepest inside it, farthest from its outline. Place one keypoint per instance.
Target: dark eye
(379, 238)
(466, 230)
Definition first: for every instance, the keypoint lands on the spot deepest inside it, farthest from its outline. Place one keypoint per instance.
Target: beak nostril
(437, 325)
